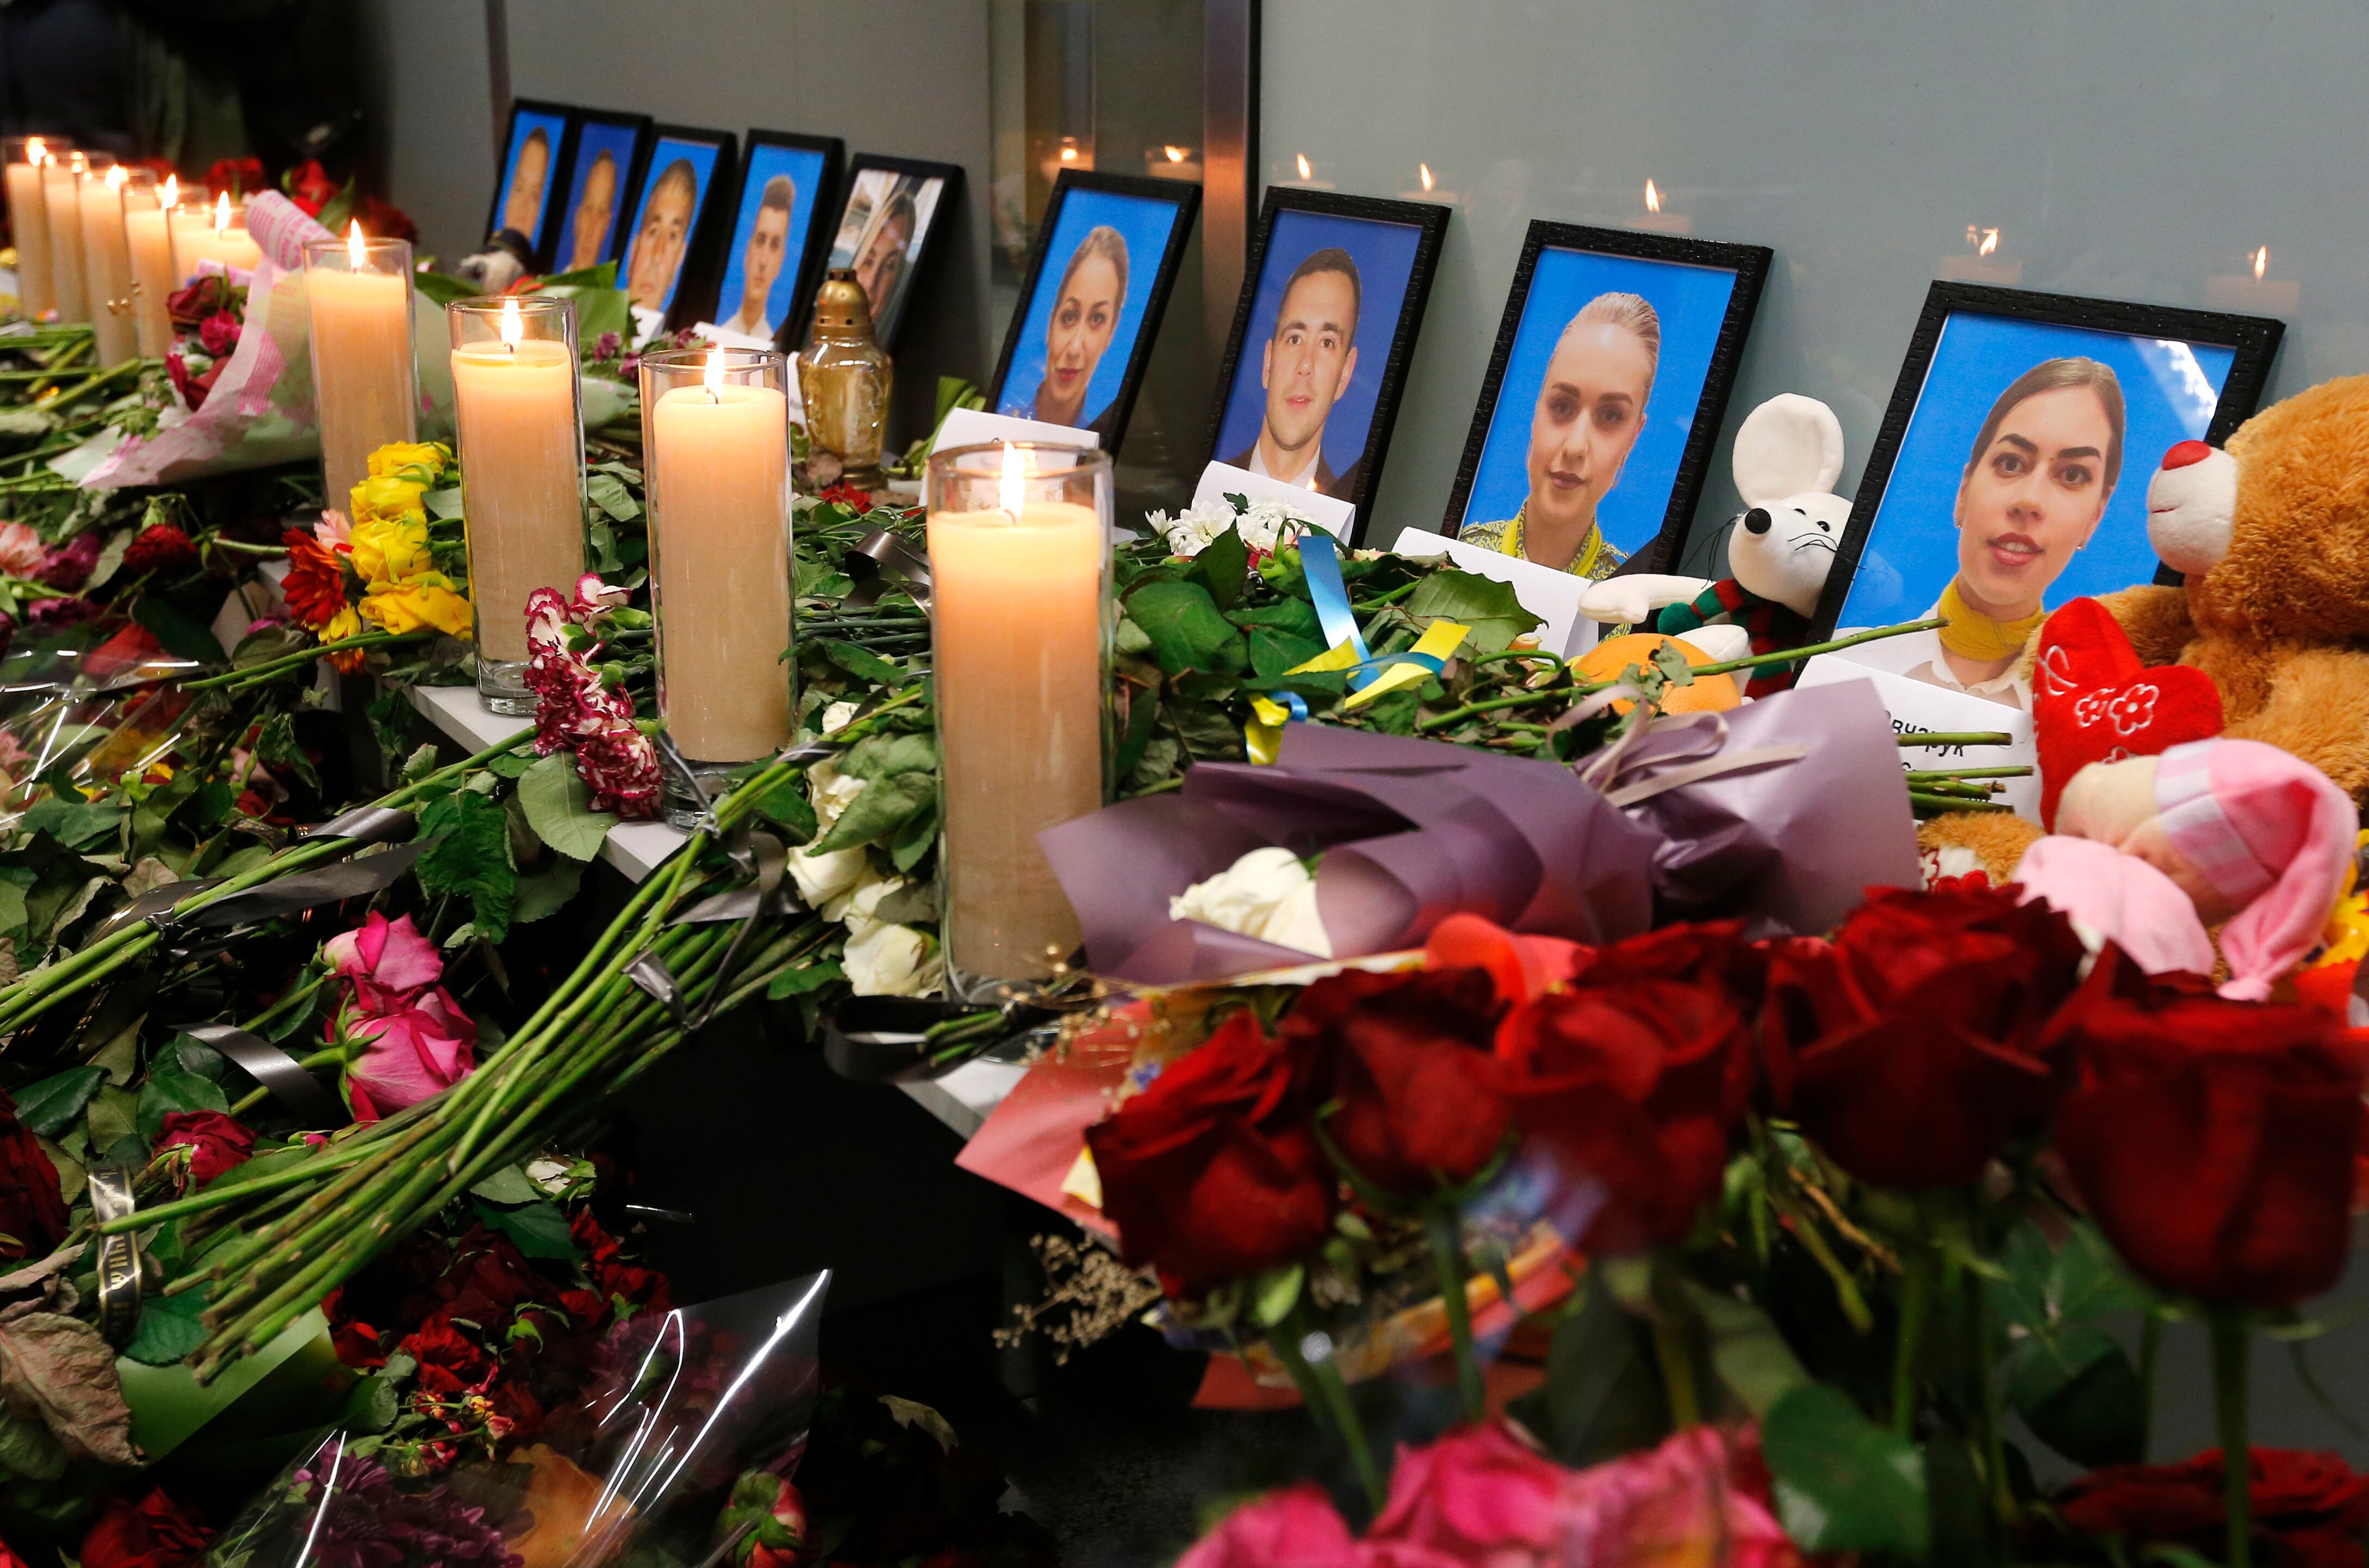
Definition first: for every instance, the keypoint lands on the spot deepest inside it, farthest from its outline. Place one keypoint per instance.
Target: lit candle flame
(37, 151)
(170, 196)
(1011, 486)
(116, 175)
(354, 244)
(1425, 171)
(1990, 242)
(221, 213)
(1176, 155)
(1068, 149)
(1305, 172)
(513, 325)
(2262, 262)
(713, 380)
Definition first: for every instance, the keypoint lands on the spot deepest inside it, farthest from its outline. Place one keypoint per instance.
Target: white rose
(890, 960)
(822, 877)
(831, 791)
(1268, 894)
(838, 716)
(857, 905)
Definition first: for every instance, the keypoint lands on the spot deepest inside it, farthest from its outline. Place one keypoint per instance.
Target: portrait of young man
(1308, 365)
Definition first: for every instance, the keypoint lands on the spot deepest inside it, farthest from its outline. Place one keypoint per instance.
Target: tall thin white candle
(59, 193)
(147, 226)
(29, 220)
(521, 466)
(361, 355)
(106, 266)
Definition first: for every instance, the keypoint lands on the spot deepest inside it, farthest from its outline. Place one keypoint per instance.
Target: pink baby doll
(2150, 851)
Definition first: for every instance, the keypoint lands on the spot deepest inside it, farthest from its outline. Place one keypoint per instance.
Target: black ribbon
(292, 895)
(881, 561)
(767, 897)
(275, 1070)
(367, 825)
(118, 1255)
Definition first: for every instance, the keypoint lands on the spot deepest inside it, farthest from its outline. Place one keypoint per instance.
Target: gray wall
(2122, 150)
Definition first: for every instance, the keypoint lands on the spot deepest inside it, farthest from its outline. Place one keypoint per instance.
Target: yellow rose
(346, 623)
(395, 456)
(389, 498)
(427, 600)
(391, 550)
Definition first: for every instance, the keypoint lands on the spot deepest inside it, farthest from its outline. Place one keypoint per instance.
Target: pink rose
(219, 333)
(1297, 1528)
(21, 551)
(409, 1054)
(1478, 1496)
(387, 962)
(1701, 1495)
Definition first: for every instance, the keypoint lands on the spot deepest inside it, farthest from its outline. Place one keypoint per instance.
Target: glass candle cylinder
(215, 229)
(521, 442)
(28, 220)
(715, 434)
(1021, 624)
(363, 379)
(107, 263)
(147, 231)
(61, 195)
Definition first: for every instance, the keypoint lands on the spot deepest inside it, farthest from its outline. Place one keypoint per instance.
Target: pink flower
(575, 710)
(335, 530)
(1297, 1528)
(387, 962)
(219, 333)
(409, 1054)
(216, 1142)
(1477, 1495)
(21, 553)
(68, 567)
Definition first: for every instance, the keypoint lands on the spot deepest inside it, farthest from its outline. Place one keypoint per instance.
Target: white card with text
(976, 427)
(1334, 515)
(1550, 595)
(1921, 706)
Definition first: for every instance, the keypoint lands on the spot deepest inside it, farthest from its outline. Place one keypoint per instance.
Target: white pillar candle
(147, 228)
(106, 266)
(218, 233)
(362, 371)
(29, 220)
(522, 477)
(61, 196)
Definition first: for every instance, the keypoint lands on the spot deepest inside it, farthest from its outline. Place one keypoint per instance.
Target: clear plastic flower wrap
(674, 1407)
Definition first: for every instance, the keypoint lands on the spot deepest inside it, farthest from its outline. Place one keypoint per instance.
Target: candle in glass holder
(363, 379)
(106, 266)
(715, 426)
(218, 233)
(1019, 557)
(521, 473)
(60, 194)
(29, 220)
(147, 228)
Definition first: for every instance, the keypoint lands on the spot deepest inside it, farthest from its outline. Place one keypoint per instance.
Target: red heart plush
(2094, 702)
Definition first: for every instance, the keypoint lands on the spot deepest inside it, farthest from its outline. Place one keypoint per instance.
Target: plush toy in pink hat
(2248, 837)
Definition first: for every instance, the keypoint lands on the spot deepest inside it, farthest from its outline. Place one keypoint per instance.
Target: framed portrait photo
(665, 250)
(530, 169)
(1310, 384)
(885, 225)
(773, 253)
(1091, 306)
(1604, 396)
(604, 152)
(2011, 474)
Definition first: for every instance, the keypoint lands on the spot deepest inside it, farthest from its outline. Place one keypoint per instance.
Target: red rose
(1910, 1046)
(155, 1532)
(1627, 1091)
(487, 1281)
(1212, 1173)
(1404, 1058)
(216, 1142)
(1712, 953)
(160, 547)
(218, 334)
(237, 176)
(2309, 1509)
(310, 187)
(450, 1363)
(32, 1209)
(1522, 966)
(2212, 1140)
(644, 1290)
(354, 1341)
(382, 219)
(585, 1309)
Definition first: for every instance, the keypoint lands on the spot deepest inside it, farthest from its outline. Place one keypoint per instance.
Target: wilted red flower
(32, 1209)
(2308, 1509)
(2212, 1140)
(1910, 1046)
(1404, 1059)
(450, 1363)
(1212, 1173)
(160, 547)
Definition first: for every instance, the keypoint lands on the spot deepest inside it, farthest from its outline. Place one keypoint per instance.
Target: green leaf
(879, 808)
(543, 893)
(558, 805)
(1489, 607)
(538, 1229)
(1602, 1396)
(469, 856)
(883, 756)
(170, 1329)
(78, 825)
(181, 633)
(1274, 1293)
(786, 806)
(276, 745)
(512, 764)
(1750, 1356)
(50, 1106)
(173, 1089)
(1223, 567)
(1844, 1483)
(798, 982)
(26, 1450)
(1185, 630)
(860, 662)
(442, 288)
(609, 493)
(2079, 1393)
(508, 1186)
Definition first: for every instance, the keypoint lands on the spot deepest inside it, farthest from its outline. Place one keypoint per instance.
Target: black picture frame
(2253, 342)
(562, 154)
(829, 194)
(704, 251)
(1750, 265)
(556, 252)
(889, 322)
(1186, 198)
(1430, 220)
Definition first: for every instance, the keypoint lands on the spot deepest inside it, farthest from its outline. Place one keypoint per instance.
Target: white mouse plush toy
(1788, 452)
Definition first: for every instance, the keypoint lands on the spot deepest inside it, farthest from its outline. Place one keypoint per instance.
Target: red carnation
(2309, 1509)
(216, 1142)
(160, 547)
(1212, 1173)
(155, 1532)
(849, 495)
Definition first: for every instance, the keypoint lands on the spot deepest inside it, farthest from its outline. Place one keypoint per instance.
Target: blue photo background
(1692, 303)
(663, 154)
(1145, 223)
(525, 123)
(592, 139)
(1384, 253)
(2169, 390)
(804, 167)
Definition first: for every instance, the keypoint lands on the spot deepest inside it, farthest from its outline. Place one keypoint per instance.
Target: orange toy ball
(1709, 695)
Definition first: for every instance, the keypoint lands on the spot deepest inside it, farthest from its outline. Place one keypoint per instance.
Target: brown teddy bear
(2272, 535)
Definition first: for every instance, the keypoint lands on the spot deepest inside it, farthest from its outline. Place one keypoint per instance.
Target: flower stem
(1677, 1362)
(1442, 1224)
(1929, 738)
(1321, 1388)
(1987, 1404)
(2229, 1352)
(2150, 1354)
(1915, 1300)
